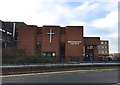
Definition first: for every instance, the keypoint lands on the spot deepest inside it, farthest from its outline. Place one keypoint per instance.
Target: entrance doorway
(50, 55)
(89, 54)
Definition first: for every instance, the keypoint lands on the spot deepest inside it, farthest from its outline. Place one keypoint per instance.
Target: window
(49, 54)
(105, 42)
(91, 47)
(53, 54)
(102, 42)
(38, 43)
(44, 54)
(105, 47)
(106, 52)
(83, 48)
(102, 47)
(102, 52)
(88, 47)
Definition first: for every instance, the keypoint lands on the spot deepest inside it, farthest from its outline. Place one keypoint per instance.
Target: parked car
(103, 58)
(112, 58)
(118, 58)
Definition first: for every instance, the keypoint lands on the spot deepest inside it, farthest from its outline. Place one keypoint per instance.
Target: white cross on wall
(50, 33)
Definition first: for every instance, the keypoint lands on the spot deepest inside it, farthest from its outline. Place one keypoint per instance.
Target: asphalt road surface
(94, 76)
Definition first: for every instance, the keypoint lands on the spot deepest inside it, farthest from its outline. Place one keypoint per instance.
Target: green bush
(17, 56)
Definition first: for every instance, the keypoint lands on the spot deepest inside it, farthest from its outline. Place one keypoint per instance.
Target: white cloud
(12, 10)
(91, 0)
(77, 23)
(83, 7)
(114, 36)
(87, 7)
(63, 11)
(109, 21)
(38, 12)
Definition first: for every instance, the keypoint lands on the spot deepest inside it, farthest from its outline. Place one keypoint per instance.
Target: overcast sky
(99, 17)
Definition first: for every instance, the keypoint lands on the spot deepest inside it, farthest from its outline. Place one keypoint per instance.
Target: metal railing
(61, 64)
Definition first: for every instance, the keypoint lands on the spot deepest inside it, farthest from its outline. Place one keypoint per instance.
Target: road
(93, 76)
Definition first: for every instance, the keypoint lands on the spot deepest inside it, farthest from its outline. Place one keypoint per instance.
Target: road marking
(59, 72)
(47, 73)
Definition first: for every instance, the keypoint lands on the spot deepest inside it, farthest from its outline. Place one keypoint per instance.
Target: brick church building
(63, 44)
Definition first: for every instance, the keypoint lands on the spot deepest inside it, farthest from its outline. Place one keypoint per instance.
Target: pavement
(75, 76)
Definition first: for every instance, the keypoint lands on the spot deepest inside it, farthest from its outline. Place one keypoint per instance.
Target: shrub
(17, 56)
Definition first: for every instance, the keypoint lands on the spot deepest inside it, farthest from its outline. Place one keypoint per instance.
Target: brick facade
(91, 47)
(104, 48)
(74, 43)
(65, 44)
(27, 38)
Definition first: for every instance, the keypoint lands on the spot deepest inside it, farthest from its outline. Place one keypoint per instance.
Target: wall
(93, 41)
(27, 39)
(74, 52)
(55, 45)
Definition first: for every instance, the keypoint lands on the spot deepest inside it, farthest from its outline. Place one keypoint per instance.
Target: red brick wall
(55, 46)
(74, 33)
(39, 38)
(91, 40)
(62, 34)
(96, 53)
(27, 39)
